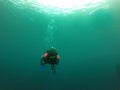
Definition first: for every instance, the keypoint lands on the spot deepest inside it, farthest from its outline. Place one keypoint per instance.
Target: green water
(89, 47)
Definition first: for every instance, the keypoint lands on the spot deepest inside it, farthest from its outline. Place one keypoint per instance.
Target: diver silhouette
(50, 57)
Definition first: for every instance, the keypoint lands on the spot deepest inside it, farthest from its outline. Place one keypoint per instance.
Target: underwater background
(88, 45)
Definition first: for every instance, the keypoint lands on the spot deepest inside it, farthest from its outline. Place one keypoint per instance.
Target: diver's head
(52, 50)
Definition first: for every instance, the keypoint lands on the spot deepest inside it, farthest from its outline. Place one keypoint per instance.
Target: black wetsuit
(51, 57)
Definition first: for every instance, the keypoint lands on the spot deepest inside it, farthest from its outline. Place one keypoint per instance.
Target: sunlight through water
(60, 6)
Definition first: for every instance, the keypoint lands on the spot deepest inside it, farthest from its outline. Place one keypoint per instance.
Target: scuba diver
(50, 57)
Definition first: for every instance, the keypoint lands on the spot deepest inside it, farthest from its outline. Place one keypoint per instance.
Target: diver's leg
(54, 68)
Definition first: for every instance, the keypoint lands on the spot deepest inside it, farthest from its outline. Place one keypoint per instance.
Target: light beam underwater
(60, 6)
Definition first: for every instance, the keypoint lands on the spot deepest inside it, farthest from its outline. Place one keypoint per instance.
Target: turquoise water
(89, 47)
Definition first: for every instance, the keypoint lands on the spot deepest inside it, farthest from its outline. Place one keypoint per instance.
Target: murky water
(88, 43)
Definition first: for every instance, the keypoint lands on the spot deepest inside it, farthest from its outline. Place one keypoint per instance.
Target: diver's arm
(58, 61)
(42, 61)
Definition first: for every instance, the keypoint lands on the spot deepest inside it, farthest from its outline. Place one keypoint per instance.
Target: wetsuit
(50, 57)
